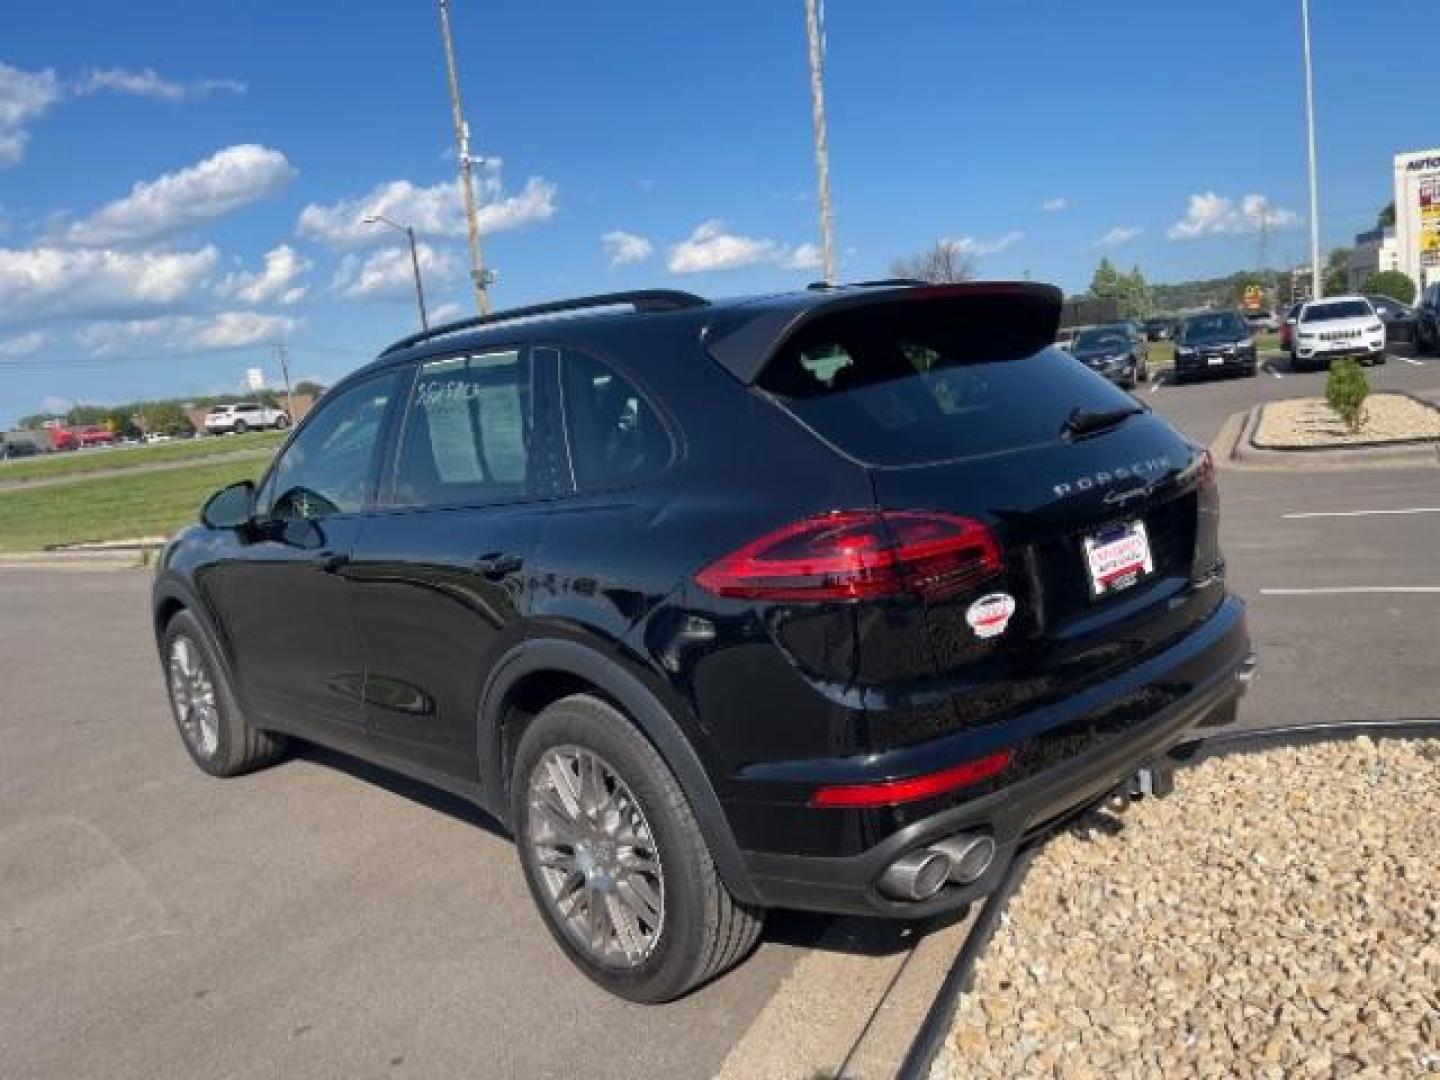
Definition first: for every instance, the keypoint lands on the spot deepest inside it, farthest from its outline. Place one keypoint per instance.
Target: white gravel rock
(1278, 916)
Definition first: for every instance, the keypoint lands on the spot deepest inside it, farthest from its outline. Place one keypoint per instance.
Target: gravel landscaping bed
(1279, 915)
(1310, 422)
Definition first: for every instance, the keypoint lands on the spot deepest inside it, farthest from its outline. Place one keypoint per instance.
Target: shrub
(1391, 283)
(1346, 390)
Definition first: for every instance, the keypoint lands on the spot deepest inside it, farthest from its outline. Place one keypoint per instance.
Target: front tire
(615, 860)
(212, 726)
(282, 422)
(240, 427)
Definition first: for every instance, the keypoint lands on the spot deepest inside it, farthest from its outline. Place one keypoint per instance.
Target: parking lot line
(1352, 590)
(1270, 367)
(1412, 360)
(1360, 513)
(1157, 381)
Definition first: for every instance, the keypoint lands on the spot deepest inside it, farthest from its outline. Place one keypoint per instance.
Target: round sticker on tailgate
(989, 615)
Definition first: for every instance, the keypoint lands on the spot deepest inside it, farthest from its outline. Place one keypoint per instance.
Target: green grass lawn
(114, 507)
(129, 457)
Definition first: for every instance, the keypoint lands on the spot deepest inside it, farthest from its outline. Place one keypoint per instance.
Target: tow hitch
(1154, 780)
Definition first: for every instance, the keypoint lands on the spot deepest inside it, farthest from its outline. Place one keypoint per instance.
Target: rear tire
(282, 422)
(601, 826)
(240, 427)
(212, 726)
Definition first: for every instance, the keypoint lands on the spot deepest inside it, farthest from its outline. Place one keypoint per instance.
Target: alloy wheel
(193, 693)
(595, 857)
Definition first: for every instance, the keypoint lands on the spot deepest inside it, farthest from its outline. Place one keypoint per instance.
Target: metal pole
(419, 288)
(285, 371)
(467, 179)
(822, 151)
(1316, 281)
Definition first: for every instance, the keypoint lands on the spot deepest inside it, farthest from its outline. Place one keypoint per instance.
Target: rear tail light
(859, 555)
(928, 785)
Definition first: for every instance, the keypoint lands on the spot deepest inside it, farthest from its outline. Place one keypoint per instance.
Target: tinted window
(1339, 309)
(898, 384)
(466, 433)
(326, 468)
(1222, 324)
(615, 435)
(1103, 337)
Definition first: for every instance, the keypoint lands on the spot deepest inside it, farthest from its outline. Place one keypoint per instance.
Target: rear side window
(915, 382)
(614, 434)
(467, 432)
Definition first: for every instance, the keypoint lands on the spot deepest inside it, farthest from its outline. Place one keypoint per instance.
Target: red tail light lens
(859, 555)
(891, 792)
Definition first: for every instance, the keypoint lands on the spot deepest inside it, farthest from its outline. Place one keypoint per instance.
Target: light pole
(478, 273)
(381, 219)
(1315, 277)
(822, 150)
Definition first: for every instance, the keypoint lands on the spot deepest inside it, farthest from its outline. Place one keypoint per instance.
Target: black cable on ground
(936, 1025)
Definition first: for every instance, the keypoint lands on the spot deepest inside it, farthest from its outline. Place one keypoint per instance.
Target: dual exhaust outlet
(961, 859)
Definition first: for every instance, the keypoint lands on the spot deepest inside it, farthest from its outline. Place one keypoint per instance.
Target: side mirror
(230, 507)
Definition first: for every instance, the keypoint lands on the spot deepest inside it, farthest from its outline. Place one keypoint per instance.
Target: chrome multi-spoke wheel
(192, 692)
(596, 856)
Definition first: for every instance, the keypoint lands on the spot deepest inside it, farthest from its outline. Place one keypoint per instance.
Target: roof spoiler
(1032, 312)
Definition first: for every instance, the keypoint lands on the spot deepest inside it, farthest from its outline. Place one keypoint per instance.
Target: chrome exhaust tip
(970, 856)
(916, 876)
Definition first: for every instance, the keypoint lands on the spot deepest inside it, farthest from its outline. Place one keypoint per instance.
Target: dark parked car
(1399, 319)
(824, 600)
(1427, 321)
(1116, 351)
(1160, 329)
(1212, 343)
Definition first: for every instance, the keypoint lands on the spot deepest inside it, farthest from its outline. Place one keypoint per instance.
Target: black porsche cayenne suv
(825, 600)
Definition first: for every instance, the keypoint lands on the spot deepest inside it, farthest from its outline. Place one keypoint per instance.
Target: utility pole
(1316, 281)
(284, 359)
(822, 150)
(467, 177)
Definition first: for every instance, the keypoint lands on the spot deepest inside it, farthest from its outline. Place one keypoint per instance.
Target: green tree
(1105, 283)
(309, 386)
(1132, 295)
(1336, 278)
(1391, 283)
(1386, 218)
(1346, 389)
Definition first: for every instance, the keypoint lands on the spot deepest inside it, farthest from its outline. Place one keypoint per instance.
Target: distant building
(1417, 215)
(1373, 252)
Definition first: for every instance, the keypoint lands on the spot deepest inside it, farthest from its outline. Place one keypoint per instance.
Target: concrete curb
(109, 559)
(1234, 448)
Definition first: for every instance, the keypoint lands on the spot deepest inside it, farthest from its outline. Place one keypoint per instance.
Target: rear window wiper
(1083, 421)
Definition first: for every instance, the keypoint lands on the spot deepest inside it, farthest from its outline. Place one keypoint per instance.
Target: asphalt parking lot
(322, 919)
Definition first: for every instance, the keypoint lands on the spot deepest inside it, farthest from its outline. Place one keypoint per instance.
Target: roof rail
(879, 283)
(639, 299)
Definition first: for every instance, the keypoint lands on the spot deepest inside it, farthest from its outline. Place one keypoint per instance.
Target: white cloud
(1210, 214)
(224, 182)
(276, 283)
(24, 344)
(430, 211)
(56, 405)
(148, 83)
(622, 247)
(186, 333)
(968, 245)
(1120, 234)
(446, 312)
(48, 282)
(1057, 203)
(387, 274)
(803, 257)
(710, 247)
(24, 97)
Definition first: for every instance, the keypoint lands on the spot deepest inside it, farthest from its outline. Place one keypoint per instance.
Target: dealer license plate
(1117, 558)
(1215, 361)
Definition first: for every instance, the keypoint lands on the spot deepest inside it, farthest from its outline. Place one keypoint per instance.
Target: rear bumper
(1215, 662)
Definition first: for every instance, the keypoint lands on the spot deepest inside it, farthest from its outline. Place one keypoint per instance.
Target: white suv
(1335, 327)
(244, 416)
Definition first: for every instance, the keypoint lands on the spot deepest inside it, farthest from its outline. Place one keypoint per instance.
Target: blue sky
(180, 184)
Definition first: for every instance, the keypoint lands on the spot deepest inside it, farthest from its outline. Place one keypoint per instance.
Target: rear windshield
(910, 383)
(1340, 309)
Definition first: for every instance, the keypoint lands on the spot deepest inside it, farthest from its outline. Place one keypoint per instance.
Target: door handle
(332, 562)
(498, 564)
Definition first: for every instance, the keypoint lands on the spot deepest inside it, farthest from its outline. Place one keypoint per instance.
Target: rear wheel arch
(538, 673)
